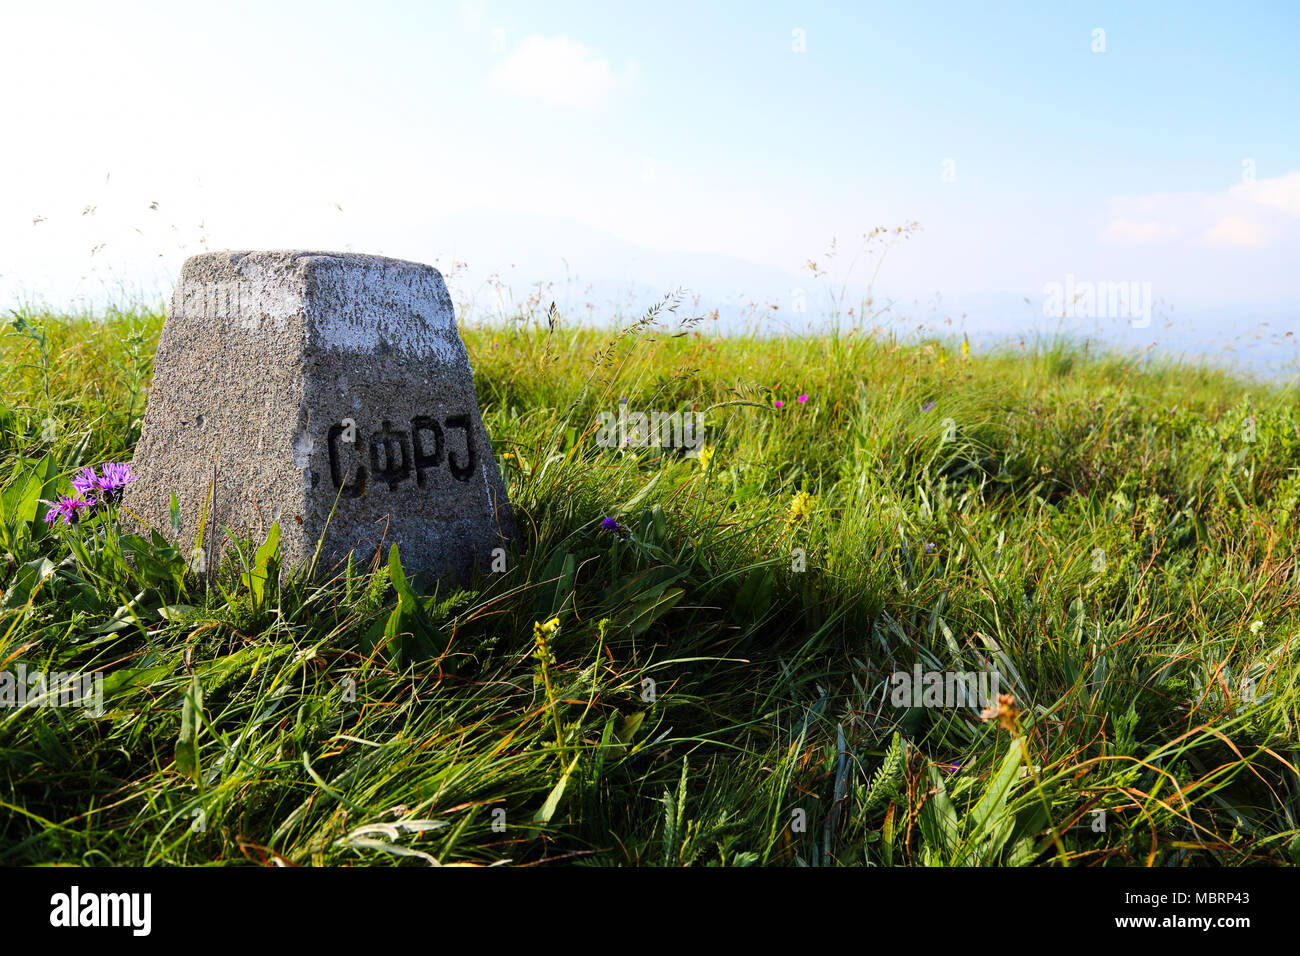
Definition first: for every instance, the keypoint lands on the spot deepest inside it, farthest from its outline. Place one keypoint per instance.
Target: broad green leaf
(174, 511)
(264, 560)
(986, 813)
(187, 747)
(646, 611)
(26, 580)
(626, 728)
(406, 597)
(553, 801)
(127, 679)
(938, 821)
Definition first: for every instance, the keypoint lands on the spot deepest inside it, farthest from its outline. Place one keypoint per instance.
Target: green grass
(1117, 540)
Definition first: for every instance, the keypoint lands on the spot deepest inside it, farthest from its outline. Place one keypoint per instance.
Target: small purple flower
(85, 481)
(928, 407)
(68, 510)
(803, 399)
(778, 403)
(108, 486)
(929, 547)
(609, 524)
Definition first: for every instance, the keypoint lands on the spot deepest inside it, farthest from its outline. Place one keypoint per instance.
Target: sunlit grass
(1116, 539)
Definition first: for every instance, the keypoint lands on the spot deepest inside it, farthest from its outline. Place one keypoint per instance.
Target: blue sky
(643, 146)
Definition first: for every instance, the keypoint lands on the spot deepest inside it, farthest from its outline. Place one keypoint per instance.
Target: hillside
(691, 658)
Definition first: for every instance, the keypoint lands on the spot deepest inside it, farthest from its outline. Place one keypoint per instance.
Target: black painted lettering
(394, 447)
(425, 459)
(357, 486)
(458, 471)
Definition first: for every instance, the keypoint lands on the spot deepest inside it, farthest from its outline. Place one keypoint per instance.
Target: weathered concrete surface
(317, 381)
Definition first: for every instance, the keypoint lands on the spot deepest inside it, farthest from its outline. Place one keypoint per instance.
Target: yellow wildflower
(965, 346)
(541, 638)
(801, 507)
(704, 456)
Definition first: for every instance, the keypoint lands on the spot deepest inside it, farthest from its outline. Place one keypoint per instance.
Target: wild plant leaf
(265, 561)
(630, 505)
(940, 827)
(989, 814)
(124, 680)
(187, 747)
(406, 598)
(647, 610)
(627, 726)
(557, 793)
(26, 580)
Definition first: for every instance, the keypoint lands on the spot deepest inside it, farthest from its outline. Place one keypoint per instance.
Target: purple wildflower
(929, 547)
(608, 524)
(928, 407)
(85, 481)
(68, 510)
(778, 403)
(108, 486)
(803, 399)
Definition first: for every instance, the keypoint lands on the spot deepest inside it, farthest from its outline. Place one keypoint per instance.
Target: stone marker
(308, 381)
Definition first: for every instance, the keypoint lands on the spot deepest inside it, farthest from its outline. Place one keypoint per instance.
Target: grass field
(709, 682)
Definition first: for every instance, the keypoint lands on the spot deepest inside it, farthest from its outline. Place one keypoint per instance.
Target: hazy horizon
(619, 154)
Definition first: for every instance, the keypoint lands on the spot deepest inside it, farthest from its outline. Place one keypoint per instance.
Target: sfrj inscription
(392, 455)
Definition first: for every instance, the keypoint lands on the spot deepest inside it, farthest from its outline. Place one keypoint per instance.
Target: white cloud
(1282, 192)
(1249, 215)
(1129, 232)
(559, 72)
(1237, 231)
